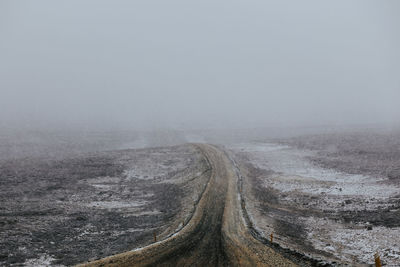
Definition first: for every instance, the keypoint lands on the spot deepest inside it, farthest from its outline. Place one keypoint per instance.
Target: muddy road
(216, 235)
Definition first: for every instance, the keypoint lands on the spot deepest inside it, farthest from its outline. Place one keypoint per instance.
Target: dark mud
(215, 236)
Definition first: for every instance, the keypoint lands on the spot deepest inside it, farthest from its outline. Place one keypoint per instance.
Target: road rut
(216, 235)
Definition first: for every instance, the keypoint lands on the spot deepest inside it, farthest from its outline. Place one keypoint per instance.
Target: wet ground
(327, 212)
(71, 210)
(217, 234)
(333, 197)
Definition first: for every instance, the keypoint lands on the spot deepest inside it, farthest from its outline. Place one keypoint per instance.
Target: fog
(198, 64)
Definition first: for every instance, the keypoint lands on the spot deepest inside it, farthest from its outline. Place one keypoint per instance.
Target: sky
(194, 64)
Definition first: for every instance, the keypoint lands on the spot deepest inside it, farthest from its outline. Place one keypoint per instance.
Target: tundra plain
(328, 199)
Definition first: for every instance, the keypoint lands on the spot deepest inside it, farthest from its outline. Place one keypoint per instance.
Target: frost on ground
(70, 210)
(327, 213)
(355, 243)
(43, 260)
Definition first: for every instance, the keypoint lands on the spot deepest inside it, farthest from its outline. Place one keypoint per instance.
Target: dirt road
(216, 235)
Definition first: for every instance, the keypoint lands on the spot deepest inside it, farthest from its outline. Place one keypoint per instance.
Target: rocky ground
(70, 210)
(335, 197)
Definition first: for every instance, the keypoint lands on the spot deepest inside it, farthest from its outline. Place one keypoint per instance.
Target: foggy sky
(199, 63)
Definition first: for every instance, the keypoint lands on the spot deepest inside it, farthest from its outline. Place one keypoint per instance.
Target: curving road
(216, 235)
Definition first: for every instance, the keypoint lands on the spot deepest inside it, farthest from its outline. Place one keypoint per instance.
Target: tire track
(216, 235)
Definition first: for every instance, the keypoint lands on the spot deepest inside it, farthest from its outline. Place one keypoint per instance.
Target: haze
(140, 64)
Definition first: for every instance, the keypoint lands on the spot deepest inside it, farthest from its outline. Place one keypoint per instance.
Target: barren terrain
(217, 234)
(335, 198)
(77, 209)
(325, 199)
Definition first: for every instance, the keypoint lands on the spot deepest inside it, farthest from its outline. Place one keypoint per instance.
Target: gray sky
(199, 63)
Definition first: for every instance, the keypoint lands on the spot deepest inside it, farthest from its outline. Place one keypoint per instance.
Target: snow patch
(355, 244)
(43, 260)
